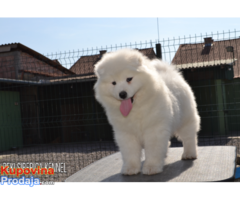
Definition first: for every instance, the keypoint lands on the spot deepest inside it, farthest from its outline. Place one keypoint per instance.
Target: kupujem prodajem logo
(23, 180)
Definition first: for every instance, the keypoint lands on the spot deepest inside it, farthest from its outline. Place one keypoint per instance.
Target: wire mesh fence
(50, 118)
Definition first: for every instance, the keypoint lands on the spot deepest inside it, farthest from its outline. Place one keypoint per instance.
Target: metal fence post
(159, 51)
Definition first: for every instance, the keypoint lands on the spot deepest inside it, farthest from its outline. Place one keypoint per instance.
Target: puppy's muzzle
(123, 95)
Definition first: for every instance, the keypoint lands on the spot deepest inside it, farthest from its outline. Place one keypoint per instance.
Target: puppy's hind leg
(188, 135)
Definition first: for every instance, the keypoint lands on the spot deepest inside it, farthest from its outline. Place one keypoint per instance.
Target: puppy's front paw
(130, 169)
(150, 169)
(189, 156)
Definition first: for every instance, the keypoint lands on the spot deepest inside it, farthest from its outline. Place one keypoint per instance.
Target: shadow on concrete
(170, 171)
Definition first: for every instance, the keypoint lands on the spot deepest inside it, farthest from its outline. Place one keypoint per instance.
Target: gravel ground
(73, 157)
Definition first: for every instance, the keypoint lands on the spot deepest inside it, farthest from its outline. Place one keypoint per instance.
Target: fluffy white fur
(164, 106)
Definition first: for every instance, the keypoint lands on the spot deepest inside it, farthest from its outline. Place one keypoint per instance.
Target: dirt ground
(70, 158)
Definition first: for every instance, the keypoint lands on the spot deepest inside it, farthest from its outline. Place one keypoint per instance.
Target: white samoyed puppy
(146, 102)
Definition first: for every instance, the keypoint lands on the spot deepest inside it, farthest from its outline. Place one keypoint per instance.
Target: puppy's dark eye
(129, 79)
(114, 83)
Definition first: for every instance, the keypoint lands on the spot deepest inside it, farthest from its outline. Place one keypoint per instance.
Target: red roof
(53, 63)
(85, 64)
(214, 54)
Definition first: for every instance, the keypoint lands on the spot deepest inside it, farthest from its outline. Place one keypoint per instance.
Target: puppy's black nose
(123, 94)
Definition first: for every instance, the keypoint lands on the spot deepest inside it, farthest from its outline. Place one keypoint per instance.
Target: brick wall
(7, 66)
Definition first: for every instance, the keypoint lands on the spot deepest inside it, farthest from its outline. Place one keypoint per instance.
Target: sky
(66, 34)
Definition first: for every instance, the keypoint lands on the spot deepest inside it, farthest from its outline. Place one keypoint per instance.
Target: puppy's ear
(136, 58)
(139, 60)
(142, 68)
(98, 70)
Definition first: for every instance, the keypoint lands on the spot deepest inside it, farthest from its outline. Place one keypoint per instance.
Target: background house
(212, 68)
(21, 68)
(85, 64)
(20, 62)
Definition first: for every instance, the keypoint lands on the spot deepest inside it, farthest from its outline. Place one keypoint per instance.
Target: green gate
(232, 107)
(218, 104)
(10, 120)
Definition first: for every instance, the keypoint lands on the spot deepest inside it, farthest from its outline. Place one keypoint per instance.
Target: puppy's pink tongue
(126, 107)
